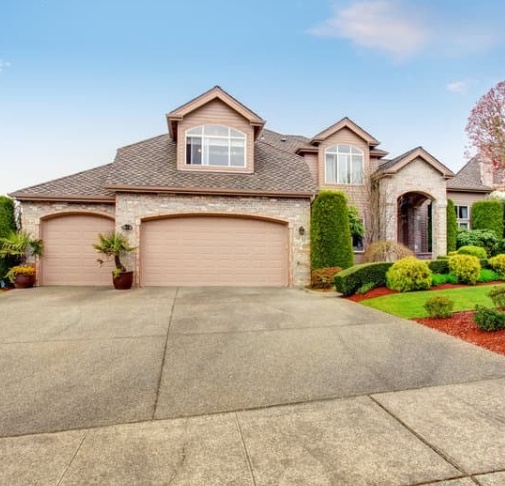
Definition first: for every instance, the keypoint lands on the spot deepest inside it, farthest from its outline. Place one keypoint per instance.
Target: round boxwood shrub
(330, 235)
(476, 251)
(497, 263)
(439, 306)
(466, 268)
(488, 319)
(488, 215)
(409, 274)
(452, 226)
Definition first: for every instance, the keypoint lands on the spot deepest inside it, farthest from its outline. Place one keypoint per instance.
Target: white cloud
(457, 87)
(385, 25)
(4, 65)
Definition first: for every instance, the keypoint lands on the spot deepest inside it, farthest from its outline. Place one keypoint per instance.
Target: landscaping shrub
(497, 295)
(466, 268)
(439, 266)
(409, 274)
(452, 226)
(488, 319)
(386, 251)
(499, 248)
(443, 278)
(488, 215)
(330, 235)
(7, 226)
(348, 281)
(439, 307)
(487, 275)
(485, 238)
(322, 278)
(476, 251)
(497, 263)
(366, 288)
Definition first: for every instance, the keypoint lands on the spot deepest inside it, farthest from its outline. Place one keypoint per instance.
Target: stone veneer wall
(418, 176)
(133, 208)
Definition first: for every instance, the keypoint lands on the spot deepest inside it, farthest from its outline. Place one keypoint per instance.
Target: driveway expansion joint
(435, 449)
(160, 378)
(73, 457)
(246, 451)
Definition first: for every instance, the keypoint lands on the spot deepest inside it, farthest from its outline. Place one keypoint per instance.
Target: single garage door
(216, 251)
(69, 258)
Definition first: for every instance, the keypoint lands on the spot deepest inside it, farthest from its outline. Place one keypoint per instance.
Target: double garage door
(181, 251)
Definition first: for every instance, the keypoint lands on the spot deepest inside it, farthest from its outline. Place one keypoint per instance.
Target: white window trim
(462, 221)
(333, 150)
(230, 138)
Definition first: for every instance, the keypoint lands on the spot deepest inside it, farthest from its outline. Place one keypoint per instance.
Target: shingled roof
(88, 185)
(151, 166)
(469, 178)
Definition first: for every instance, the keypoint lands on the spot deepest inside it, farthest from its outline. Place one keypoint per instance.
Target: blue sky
(78, 79)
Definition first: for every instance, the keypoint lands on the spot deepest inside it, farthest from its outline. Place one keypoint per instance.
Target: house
(221, 200)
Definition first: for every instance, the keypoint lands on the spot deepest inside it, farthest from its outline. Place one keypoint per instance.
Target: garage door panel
(69, 257)
(213, 251)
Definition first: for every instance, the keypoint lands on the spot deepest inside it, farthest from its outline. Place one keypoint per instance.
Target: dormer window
(215, 145)
(343, 165)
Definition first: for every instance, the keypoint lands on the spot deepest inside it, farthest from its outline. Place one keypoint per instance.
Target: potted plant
(21, 245)
(116, 245)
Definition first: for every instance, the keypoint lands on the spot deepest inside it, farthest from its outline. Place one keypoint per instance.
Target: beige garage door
(217, 251)
(69, 258)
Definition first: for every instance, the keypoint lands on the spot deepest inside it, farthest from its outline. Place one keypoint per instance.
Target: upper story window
(343, 165)
(215, 145)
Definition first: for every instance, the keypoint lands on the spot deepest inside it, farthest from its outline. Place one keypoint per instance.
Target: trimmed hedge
(7, 226)
(452, 226)
(330, 235)
(488, 215)
(440, 266)
(409, 274)
(350, 280)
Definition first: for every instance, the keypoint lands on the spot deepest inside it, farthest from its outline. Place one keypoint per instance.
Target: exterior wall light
(301, 230)
(127, 227)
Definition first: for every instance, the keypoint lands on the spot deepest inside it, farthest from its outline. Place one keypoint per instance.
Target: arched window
(215, 145)
(343, 165)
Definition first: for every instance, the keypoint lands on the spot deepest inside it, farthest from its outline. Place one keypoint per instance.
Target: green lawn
(410, 304)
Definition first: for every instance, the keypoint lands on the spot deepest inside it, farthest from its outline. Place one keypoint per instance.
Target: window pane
(237, 154)
(463, 225)
(216, 130)
(332, 150)
(236, 133)
(343, 169)
(463, 212)
(344, 149)
(194, 151)
(331, 163)
(357, 170)
(357, 243)
(218, 151)
(195, 131)
(355, 151)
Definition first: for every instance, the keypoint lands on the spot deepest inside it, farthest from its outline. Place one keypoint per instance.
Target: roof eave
(62, 198)
(215, 192)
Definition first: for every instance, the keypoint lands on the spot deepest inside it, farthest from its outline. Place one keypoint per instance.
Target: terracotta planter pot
(22, 281)
(123, 281)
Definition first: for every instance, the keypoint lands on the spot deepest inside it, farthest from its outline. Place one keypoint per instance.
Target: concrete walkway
(240, 387)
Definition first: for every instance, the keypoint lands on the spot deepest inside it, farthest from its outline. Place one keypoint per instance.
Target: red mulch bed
(459, 325)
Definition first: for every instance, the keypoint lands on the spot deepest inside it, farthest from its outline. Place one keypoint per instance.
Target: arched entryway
(414, 223)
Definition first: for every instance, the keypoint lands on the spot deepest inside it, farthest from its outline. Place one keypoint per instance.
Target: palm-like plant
(20, 244)
(114, 245)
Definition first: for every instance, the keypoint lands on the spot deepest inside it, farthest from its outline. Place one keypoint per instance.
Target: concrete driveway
(354, 380)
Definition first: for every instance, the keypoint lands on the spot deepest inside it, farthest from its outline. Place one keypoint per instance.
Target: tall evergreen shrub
(330, 235)
(452, 226)
(488, 215)
(7, 225)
